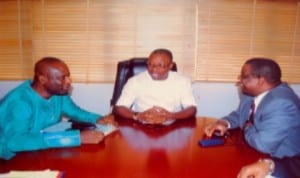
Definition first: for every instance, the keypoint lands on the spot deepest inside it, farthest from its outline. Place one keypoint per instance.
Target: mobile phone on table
(216, 140)
(208, 142)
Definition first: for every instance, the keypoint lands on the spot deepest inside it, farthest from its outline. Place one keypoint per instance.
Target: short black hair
(163, 51)
(46, 61)
(267, 68)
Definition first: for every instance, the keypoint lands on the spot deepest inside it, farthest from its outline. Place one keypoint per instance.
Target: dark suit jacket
(276, 128)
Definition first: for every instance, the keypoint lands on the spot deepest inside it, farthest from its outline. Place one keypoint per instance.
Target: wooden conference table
(143, 151)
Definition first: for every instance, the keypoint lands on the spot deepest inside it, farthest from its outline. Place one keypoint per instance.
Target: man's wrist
(224, 122)
(270, 163)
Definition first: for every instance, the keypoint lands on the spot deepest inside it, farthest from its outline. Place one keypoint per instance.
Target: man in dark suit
(274, 128)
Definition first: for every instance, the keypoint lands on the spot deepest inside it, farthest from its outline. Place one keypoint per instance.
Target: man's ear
(261, 80)
(42, 79)
(171, 65)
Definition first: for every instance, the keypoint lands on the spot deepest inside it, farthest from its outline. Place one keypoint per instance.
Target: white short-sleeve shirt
(141, 92)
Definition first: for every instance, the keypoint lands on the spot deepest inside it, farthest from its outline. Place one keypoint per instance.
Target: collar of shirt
(259, 98)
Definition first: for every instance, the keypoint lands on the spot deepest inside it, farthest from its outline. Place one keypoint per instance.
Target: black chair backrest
(127, 69)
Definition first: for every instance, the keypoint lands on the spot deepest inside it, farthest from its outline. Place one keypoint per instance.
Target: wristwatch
(271, 164)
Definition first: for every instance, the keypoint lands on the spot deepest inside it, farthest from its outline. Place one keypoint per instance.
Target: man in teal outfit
(34, 105)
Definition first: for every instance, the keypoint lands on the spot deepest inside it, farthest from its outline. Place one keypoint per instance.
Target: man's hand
(220, 125)
(108, 119)
(91, 137)
(255, 170)
(154, 115)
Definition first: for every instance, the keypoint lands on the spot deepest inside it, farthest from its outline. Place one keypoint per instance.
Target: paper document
(106, 129)
(33, 174)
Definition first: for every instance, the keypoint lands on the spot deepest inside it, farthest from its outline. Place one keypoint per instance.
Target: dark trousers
(288, 167)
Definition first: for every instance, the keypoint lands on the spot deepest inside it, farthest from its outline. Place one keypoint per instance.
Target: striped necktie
(251, 116)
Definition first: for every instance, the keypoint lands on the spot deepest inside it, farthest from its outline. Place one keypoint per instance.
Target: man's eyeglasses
(247, 77)
(160, 66)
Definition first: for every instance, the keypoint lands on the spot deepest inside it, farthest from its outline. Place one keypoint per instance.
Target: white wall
(213, 99)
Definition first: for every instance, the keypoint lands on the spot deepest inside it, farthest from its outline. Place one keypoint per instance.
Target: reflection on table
(145, 151)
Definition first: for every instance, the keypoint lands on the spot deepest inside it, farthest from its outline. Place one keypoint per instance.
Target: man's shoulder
(178, 76)
(141, 76)
(19, 90)
(280, 96)
(18, 98)
(283, 91)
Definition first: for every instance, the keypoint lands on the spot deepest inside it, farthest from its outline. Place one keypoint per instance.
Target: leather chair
(127, 69)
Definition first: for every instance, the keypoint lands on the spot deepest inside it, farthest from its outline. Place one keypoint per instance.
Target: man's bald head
(43, 66)
(51, 77)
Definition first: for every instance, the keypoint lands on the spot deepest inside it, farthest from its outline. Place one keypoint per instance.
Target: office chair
(127, 69)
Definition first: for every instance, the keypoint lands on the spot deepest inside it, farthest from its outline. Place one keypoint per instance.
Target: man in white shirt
(158, 95)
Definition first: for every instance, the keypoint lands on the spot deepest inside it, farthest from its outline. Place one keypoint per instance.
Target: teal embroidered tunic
(24, 114)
